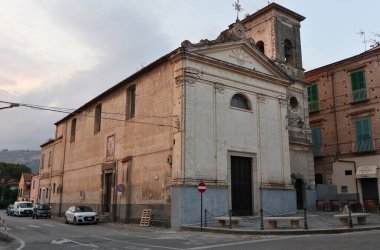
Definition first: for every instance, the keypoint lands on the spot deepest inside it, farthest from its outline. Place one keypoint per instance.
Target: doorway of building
(107, 192)
(370, 193)
(300, 186)
(241, 185)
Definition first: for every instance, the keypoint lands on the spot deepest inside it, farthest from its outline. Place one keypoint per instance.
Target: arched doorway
(300, 187)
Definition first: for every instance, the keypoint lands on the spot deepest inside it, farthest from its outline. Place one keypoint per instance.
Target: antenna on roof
(238, 9)
(362, 34)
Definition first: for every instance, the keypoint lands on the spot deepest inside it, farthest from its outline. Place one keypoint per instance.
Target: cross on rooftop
(238, 8)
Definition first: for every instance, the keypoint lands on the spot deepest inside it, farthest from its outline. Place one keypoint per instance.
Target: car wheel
(66, 221)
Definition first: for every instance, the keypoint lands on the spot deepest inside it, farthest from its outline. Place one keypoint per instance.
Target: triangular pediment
(242, 54)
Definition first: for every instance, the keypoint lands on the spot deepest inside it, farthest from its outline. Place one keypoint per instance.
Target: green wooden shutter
(363, 135)
(316, 137)
(312, 97)
(358, 85)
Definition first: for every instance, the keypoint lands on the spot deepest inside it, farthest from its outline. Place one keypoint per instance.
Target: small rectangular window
(348, 172)
(131, 101)
(73, 129)
(316, 138)
(359, 90)
(42, 161)
(312, 97)
(364, 141)
(50, 159)
(53, 187)
(97, 118)
(343, 189)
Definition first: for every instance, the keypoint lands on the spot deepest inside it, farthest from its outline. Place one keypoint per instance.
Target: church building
(230, 112)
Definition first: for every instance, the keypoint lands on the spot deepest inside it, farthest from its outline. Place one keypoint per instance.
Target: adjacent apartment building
(217, 111)
(344, 108)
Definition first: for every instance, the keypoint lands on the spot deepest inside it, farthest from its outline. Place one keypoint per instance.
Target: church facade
(229, 112)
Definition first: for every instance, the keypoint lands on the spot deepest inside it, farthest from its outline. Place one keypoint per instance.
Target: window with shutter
(316, 137)
(359, 90)
(312, 97)
(363, 135)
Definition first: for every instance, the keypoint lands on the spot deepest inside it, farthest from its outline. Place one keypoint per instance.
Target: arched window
(240, 101)
(260, 46)
(288, 51)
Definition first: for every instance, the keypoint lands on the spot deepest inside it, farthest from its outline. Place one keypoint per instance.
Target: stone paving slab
(317, 222)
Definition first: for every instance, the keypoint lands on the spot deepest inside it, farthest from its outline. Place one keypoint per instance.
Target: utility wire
(69, 111)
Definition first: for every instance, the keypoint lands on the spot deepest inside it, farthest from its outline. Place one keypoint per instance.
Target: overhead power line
(103, 116)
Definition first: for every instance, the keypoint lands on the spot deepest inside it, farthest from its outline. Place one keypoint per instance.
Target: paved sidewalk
(318, 222)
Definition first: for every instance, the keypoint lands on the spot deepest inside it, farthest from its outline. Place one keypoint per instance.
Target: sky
(63, 53)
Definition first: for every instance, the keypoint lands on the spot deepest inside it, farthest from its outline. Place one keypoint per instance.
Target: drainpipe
(356, 181)
(63, 171)
(334, 111)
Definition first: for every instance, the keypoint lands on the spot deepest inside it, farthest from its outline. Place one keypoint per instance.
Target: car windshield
(43, 206)
(83, 209)
(24, 205)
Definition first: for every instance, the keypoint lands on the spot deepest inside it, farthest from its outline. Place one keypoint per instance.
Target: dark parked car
(10, 210)
(41, 210)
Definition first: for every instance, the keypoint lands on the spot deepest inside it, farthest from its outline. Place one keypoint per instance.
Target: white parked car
(81, 214)
(21, 208)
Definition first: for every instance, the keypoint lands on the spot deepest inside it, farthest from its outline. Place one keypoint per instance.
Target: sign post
(202, 188)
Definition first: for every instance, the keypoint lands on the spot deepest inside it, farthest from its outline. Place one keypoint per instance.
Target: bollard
(305, 219)
(230, 211)
(205, 218)
(350, 218)
(261, 219)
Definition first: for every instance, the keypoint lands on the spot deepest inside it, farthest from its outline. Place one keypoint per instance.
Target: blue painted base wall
(186, 204)
(311, 197)
(279, 201)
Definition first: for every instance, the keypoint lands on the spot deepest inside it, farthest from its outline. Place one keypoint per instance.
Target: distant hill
(29, 158)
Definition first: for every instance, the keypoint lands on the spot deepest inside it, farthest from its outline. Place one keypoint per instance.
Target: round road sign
(120, 188)
(202, 187)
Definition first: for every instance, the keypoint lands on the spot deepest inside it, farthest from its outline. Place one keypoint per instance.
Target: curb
(278, 232)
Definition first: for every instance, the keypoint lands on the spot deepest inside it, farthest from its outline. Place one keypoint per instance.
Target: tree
(10, 172)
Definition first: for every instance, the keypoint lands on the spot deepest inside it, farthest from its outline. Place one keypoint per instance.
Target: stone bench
(360, 217)
(225, 221)
(294, 221)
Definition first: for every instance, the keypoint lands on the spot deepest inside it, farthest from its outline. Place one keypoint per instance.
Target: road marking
(240, 243)
(34, 226)
(22, 243)
(48, 225)
(137, 244)
(59, 242)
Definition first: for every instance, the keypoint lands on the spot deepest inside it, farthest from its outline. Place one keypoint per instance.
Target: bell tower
(276, 32)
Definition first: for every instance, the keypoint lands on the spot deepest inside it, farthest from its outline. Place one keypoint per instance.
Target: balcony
(313, 106)
(359, 95)
(363, 146)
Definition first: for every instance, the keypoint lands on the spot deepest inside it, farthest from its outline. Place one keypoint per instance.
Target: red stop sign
(202, 187)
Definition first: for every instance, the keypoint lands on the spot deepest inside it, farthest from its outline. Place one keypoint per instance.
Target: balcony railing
(313, 106)
(359, 95)
(364, 146)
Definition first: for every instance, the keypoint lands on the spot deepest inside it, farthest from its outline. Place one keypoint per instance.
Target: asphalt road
(54, 234)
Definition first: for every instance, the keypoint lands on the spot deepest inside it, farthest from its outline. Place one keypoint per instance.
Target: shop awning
(366, 172)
